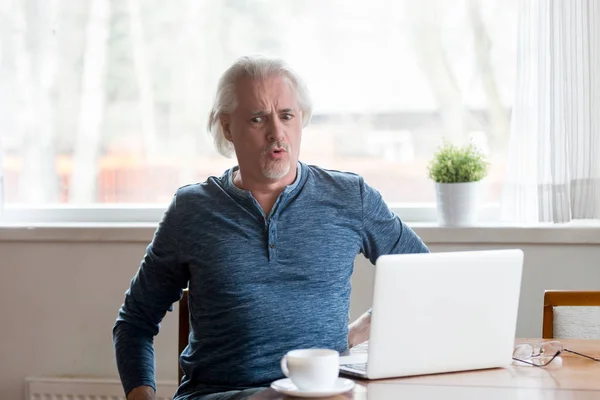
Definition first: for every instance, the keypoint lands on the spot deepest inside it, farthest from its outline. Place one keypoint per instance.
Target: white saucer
(286, 386)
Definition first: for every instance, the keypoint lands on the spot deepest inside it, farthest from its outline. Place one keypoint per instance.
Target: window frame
(146, 213)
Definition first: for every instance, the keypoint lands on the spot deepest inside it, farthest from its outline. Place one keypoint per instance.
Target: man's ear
(224, 119)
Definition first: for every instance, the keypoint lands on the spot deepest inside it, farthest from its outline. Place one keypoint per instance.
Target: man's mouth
(276, 150)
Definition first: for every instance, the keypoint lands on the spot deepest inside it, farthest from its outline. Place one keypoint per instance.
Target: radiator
(86, 389)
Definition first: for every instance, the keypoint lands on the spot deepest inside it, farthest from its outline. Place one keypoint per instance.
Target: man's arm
(358, 331)
(158, 283)
(382, 231)
(142, 393)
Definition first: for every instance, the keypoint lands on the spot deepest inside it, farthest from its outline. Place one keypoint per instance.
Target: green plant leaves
(455, 164)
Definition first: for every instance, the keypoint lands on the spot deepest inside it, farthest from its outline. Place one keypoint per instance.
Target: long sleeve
(382, 231)
(158, 283)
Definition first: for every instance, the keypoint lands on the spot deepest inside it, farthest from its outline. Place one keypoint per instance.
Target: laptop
(440, 312)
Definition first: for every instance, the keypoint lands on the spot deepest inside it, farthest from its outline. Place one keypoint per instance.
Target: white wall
(58, 302)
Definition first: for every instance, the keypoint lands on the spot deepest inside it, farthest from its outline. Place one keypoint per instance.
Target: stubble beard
(276, 168)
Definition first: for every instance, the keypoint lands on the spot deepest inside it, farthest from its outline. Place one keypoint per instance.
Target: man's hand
(142, 393)
(358, 331)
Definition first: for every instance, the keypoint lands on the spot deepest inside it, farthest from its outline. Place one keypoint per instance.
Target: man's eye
(258, 120)
(287, 116)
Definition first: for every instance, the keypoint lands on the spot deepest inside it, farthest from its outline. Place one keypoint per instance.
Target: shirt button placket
(272, 250)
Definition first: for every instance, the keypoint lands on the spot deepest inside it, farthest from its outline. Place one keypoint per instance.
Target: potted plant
(457, 172)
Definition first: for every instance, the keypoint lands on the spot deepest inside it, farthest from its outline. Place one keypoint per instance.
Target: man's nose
(276, 129)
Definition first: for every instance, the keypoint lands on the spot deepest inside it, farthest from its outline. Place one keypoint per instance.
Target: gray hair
(255, 67)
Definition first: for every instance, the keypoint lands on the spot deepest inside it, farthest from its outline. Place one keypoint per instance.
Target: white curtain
(553, 170)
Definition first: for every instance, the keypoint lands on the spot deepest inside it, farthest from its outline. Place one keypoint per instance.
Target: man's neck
(265, 192)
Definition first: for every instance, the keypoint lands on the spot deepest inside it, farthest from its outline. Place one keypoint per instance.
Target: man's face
(265, 128)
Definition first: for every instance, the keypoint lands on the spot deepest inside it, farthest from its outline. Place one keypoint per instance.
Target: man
(267, 249)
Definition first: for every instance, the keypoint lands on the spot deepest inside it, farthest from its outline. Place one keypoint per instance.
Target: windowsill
(141, 232)
(572, 233)
(431, 233)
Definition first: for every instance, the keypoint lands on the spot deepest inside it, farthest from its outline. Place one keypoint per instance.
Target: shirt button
(272, 245)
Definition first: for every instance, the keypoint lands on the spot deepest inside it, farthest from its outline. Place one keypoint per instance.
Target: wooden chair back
(564, 298)
(184, 328)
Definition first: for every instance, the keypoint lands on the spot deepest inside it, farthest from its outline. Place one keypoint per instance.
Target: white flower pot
(457, 203)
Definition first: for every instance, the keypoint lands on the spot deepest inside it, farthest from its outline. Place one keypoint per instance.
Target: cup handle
(284, 367)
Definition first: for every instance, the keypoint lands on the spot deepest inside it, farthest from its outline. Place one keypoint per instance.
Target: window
(105, 102)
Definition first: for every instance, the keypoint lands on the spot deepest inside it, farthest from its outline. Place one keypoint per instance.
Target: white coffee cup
(312, 369)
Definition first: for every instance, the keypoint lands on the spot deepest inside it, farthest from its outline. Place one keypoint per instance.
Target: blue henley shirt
(259, 285)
